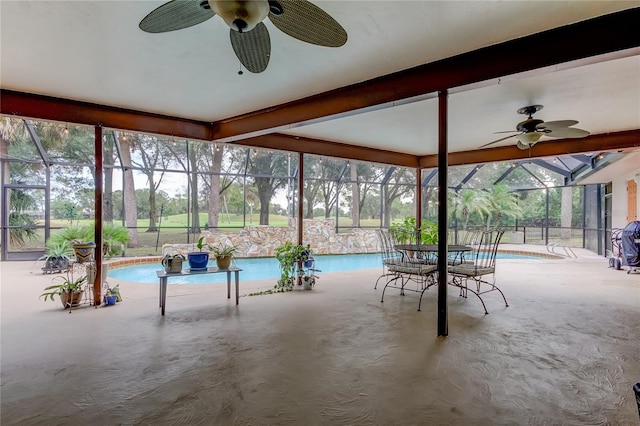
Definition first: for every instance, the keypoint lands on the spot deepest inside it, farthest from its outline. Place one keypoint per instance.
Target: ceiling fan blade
(567, 132)
(253, 48)
(175, 15)
(498, 140)
(307, 22)
(553, 125)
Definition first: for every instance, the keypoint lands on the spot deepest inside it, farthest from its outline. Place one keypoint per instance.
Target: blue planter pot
(198, 260)
(110, 300)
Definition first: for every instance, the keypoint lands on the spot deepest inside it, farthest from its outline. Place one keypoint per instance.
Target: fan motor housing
(528, 126)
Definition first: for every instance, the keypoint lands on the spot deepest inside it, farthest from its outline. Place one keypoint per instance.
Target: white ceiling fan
(250, 40)
(532, 129)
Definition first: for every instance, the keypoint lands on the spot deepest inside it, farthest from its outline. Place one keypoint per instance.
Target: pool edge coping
(144, 260)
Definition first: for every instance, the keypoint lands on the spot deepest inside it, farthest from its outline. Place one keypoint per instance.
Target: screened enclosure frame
(580, 163)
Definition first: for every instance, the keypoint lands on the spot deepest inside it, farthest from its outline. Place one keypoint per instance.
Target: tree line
(219, 178)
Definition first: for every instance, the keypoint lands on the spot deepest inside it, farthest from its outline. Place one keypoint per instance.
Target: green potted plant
(292, 258)
(429, 233)
(56, 257)
(112, 295)
(223, 254)
(198, 260)
(69, 288)
(407, 231)
(115, 237)
(79, 238)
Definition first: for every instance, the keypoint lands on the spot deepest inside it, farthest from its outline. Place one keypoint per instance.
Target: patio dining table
(418, 265)
(430, 251)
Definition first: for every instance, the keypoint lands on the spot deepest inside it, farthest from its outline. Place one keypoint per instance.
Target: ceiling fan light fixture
(528, 139)
(241, 16)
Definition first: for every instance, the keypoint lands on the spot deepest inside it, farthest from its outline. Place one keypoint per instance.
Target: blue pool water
(263, 268)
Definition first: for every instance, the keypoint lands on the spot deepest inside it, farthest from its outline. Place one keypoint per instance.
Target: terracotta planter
(71, 299)
(223, 262)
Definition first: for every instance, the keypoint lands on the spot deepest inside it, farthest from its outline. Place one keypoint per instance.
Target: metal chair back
(387, 245)
(485, 248)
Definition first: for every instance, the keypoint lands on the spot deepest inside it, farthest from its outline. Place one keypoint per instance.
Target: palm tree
(502, 202)
(21, 224)
(467, 202)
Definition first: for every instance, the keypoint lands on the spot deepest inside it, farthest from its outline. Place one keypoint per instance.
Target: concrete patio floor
(566, 352)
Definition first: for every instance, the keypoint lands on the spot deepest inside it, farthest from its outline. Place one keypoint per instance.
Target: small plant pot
(70, 299)
(61, 263)
(198, 260)
(110, 300)
(83, 252)
(223, 262)
(172, 264)
(55, 264)
(308, 282)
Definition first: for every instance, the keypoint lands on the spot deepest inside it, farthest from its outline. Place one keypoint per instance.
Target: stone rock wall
(261, 240)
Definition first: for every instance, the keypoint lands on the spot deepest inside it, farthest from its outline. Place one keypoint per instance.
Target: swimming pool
(263, 268)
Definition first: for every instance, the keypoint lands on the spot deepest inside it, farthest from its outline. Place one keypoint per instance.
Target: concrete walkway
(566, 351)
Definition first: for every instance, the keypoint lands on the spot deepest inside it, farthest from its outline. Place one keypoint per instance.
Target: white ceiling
(601, 97)
(95, 52)
(624, 166)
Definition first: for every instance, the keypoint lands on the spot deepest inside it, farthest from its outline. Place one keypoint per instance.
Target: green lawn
(231, 221)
